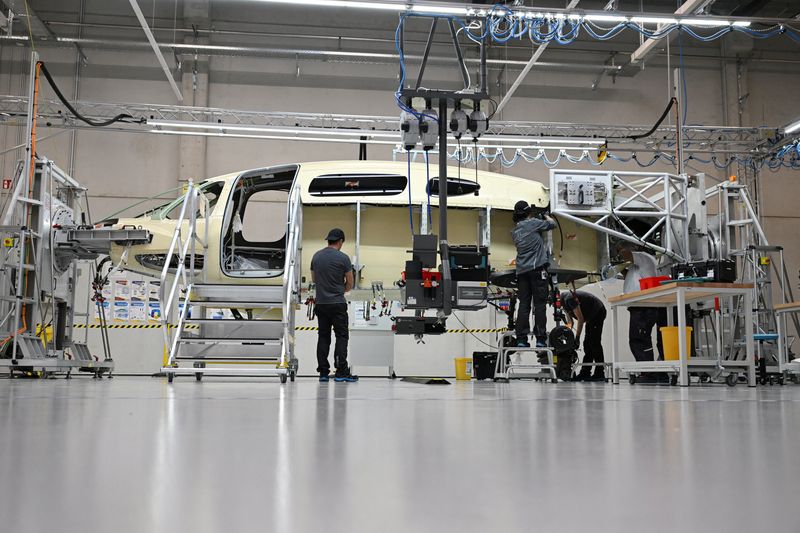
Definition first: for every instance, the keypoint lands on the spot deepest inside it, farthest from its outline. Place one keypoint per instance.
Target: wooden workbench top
(662, 294)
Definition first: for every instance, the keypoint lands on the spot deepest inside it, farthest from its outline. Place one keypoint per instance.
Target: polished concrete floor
(138, 455)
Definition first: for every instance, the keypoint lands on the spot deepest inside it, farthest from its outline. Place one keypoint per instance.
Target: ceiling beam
(527, 68)
(653, 46)
(154, 45)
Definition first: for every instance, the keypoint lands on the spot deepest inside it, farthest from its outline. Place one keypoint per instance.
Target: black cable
(495, 109)
(476, 337)
(560, 233)
(122, 117)
(672, 102)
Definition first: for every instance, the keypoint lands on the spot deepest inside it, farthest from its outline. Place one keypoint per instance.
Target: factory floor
(139, 455)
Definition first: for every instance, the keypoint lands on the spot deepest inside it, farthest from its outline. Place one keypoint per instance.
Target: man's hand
(348, 281)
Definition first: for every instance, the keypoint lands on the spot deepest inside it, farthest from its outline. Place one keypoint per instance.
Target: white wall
(120, 168)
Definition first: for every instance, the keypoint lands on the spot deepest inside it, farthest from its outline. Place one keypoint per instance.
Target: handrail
(183, 243)
(291, 278)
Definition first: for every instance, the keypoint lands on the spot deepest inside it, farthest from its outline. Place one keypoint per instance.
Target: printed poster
(153, 304)
(137, 310)
(106, 309)
(121, 310)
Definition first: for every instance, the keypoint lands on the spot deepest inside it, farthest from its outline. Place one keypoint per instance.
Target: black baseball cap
(335, 234)
(522, 207)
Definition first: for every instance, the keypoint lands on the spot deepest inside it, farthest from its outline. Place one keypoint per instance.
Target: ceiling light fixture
(385, 6)
(793, 127)
(654, 20)
(347, 132)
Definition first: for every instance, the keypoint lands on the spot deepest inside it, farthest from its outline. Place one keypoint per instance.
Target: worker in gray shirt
(532, 263)
(332, 273)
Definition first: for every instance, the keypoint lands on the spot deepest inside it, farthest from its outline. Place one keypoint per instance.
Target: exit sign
(6, 184)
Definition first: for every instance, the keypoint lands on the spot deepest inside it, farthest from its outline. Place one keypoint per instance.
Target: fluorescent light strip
(654, 20)
(270, 137)
(793, 127)
(341, 3)
(355, 140)
(471, 11)
(270, 129)
(606, 18)
(705, 22)
(353, 133)
(445, 10)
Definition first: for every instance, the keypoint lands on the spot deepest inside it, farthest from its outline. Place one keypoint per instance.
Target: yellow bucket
(46, 334)
(669, 336)
(464, 368)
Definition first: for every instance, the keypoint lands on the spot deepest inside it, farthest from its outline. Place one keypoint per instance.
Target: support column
(192, 151)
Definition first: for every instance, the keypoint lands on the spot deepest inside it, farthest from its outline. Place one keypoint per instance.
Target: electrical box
(585, 193)
(580, 192)
(470, 294)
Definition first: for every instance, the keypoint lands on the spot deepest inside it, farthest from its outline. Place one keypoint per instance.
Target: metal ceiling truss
(157, 118)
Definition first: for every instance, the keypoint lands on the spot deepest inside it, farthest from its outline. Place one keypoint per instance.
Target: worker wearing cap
(332, 273)
(590, 314)
(532, 262)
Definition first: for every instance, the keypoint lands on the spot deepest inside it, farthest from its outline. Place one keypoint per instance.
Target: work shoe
(584, 375)
(324, 378)
(541, 344)
(523, 344)
(347, 378)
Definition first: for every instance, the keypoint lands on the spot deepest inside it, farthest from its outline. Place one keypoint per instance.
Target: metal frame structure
(330, 127)
(660, 197)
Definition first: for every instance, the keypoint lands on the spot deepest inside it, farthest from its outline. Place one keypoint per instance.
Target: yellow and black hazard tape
(131, 326)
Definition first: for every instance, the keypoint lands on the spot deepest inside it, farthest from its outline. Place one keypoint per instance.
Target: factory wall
(121, 168)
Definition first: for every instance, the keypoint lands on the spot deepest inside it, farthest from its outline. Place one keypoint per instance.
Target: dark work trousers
(532, 291)
(643, 319)
(332, 315)
(593, 340)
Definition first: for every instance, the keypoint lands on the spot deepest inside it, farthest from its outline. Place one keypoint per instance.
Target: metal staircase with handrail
(262, 344)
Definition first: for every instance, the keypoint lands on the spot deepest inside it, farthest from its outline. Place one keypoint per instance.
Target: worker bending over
(332, 273)
(532, 263)
(642, 319)
(589, 312)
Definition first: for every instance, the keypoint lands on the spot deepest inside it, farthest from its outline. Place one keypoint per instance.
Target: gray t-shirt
(330, 266)
(531, 250)
(644, 266)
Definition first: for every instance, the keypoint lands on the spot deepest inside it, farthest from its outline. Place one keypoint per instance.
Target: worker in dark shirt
(332, 273)
(589, 313)
(532, 263)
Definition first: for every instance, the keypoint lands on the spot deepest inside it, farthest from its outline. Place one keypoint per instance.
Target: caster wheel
(673, 380)
(292, 375)
(731, 380)
(762, 381)
(795, 379)
(632, 379)
(704, 378)
(553, 380)
(283, 378)
(781, 380)
(198, 376)
(393, 376)
(170, 377)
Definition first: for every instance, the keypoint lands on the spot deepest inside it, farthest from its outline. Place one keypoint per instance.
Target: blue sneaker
(523, 344)
(324, 378)
(541, 344)
(349, 378)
